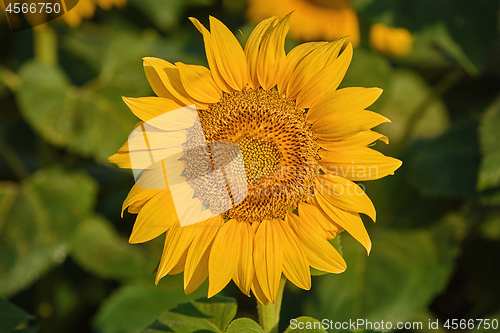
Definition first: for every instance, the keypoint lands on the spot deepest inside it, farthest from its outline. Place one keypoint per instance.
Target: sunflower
(303, 143)
(85, 9)
(313, 19)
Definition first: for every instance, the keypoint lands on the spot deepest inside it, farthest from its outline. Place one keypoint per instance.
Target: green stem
(441, 87)
(269, 315)
(45, 40)
(13, 159)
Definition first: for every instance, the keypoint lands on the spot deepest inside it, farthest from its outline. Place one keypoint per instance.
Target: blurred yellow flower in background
(284, 111)
(394, 42)
(313, 19)
(85, 9)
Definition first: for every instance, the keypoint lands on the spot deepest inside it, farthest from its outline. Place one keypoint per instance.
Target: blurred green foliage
(64, 255)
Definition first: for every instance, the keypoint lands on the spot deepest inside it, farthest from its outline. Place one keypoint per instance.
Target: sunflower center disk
(279, 151)
(260, 157)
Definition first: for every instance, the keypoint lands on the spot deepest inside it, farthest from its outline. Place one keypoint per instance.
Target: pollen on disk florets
(278, 147)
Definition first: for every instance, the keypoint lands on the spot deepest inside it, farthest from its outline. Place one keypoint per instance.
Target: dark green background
(64, 256)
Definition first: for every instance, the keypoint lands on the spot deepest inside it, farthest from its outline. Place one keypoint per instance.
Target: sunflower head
(295, 145)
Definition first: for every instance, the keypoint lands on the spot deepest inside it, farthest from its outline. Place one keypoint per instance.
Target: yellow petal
(122, 160)
(156, 217)
(257, 291)
(343, 99)
(179, 267)
(252, 48)
(138, 197)
(245, 272)
(146, 108)
(268, 257)
(224, 257)
(229, 55)
(345, 123)
(359, 164)
(320, 253)
(212, 63)
(359, 140)
(326, 81)
(293, 58)
(199, 252)
(350, 221)
(311, 65)
(199, 275)
(157, 85)
(198, 82)
(317, 221)
(271, 56)
(177, 242)
(295, 264)
(345, 195)
(170, 78)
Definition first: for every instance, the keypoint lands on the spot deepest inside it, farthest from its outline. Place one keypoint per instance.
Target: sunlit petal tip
(158, 278)
(397, 165)
(121, 160)
(197, 24)
(378, 90)
(369, 248)
(147, 61)
(133, 239)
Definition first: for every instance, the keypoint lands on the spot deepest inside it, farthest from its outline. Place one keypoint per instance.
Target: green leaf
(87, 44)
(46, 102)
(133, 307)
(207, 315)
(430, 51)
(472, 26)
(105, 125)
(244, 325)
(38, 218)
(368, 69)
(165, 15)
(122, 72)
(92, 121)
(305, 324)
(88, 122)
(410, 103)
(434, 48)
(489, 131)
(490, 228)
(98, 248)
(11, 316)
(403, 273)
(446, 166)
